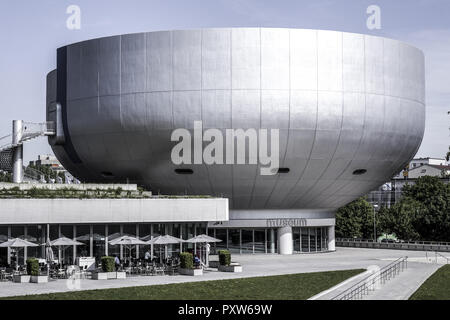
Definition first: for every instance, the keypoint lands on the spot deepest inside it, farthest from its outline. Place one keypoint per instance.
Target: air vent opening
(184, 171)
(359, 172)
(283, 170)
(107, 174)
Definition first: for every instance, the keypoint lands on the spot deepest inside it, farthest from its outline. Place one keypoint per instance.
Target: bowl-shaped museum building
(349, 111)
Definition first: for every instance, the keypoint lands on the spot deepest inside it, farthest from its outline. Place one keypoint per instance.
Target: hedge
(108, 264)
(32, 266)
(186, 260)
(224, 257)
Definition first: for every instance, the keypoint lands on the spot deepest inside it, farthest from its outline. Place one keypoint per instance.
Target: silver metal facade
(341, 101)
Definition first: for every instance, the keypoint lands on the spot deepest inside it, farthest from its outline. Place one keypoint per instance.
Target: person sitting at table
(196, 261)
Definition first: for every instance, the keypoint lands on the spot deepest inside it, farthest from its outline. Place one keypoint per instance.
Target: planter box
(109, 275)
(39, 279)
(214, 264)
(21, 278)
(191, 272)
(100, 276)
(230, 268)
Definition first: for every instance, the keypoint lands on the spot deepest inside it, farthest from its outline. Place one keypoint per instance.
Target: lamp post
(374, 224)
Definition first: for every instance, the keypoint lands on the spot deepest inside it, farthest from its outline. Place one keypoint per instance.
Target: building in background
(390, 192)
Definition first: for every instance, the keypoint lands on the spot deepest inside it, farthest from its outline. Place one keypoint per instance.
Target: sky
(32, 30)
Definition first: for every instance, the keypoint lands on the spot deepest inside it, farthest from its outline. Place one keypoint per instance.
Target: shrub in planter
(33, 267)
(224, 257)
(186, 260)
(108, 264)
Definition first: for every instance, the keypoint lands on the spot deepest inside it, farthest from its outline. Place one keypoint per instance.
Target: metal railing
(29, 130)
(371, 282)
(438, 255)
(400, 245)
(440, 243)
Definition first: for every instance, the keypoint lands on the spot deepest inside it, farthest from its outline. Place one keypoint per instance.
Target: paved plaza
(265, 265)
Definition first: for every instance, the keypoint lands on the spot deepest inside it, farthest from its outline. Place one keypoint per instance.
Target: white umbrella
(203, 238)
(17, 243)
(127, 241)
(65, 243)
(164, 240)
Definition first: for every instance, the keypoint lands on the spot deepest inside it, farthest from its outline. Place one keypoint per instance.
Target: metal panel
(246, 58)
(133, 64)
(159, 61)
(275, 58)
(187, 60)
(329, 61)
(216, 59)
(303, 59)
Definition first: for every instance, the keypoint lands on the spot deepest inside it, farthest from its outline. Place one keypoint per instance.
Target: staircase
(11, 146)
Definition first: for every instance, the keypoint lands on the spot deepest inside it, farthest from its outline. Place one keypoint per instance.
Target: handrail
(368, 283)
(403, 242)
(436, 254)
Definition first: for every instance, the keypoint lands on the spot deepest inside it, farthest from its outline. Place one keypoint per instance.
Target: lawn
(436, 287)
(284, 287)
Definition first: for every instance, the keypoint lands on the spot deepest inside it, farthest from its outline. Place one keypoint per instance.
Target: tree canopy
(423, 213)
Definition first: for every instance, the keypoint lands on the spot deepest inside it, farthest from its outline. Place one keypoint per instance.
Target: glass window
(129, 251)
(234, 240)
(296, 239)
(67, 252)
(173, 229)
(221, 234)
(260, 241)
(17, 255)
(304, 239)
(319, 239)
(3, 251)
(99, 241)
(113, 233)
(35, 234)
(247, 241)
(145, 235)
(312, 239)
(83, 236)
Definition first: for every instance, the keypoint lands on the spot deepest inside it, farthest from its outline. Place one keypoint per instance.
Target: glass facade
(305, 240)
(95, 239)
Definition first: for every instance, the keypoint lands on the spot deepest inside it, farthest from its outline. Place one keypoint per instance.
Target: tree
(355, 220)
(433, 222)
(400, 219)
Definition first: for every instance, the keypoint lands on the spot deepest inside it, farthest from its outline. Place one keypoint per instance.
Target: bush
(186, 260)
(108, 264)
(33, 266)
(224, 257)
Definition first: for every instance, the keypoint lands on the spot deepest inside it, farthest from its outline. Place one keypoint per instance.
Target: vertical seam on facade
(260, 120)
(201, 106)
(231, 117)
(340, 131)
(172, 76)
(317, 118)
